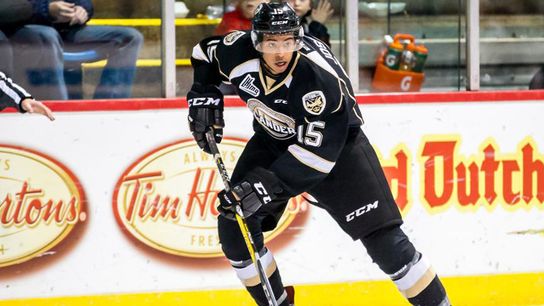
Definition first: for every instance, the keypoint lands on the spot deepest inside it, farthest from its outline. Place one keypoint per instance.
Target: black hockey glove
(205, 113)
(258, 188)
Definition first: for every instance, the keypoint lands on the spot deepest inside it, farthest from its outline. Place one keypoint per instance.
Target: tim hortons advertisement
(41, 202)
(167, 199)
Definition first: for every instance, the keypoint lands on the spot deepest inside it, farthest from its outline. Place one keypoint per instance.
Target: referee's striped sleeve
(12, 94)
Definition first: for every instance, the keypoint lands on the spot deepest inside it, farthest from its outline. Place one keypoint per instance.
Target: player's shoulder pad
(234, 49)
(232, 37)
(208, 47)
(235, 41)
(205, 49)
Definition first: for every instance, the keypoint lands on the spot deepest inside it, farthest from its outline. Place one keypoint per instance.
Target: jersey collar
(280, 79)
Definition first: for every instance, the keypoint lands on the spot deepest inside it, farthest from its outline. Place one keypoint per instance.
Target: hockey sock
(433, 294)
(258, 295)
(418, 282)
(248, 274)
(413, 275)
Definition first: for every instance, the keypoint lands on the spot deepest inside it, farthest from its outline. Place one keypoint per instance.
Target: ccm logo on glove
(262, 191)
(205, 114)
(204, 101)
(258, 188)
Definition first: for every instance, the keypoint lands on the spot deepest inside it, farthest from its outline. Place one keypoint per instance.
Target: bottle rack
(389, 80)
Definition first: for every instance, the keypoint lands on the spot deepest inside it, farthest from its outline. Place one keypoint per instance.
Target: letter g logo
(390, 60)
(405, 83)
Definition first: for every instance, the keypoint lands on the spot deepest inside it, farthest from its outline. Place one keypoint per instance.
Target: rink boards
(118, 205)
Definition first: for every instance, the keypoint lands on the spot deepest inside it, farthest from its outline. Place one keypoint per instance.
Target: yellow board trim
(140, 63)
(489, 290)
(153, 22)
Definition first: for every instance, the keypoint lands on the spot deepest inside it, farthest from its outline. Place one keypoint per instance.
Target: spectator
(240, 18)
(11, 12)
(56, 26)
(15, 96)
(6, 64)
(313, 20)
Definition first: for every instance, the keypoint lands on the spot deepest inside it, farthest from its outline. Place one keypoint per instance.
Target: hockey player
(15, 96)
(307, 138)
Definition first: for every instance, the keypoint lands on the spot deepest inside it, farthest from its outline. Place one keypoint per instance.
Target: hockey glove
(205, 113)
(258, 188)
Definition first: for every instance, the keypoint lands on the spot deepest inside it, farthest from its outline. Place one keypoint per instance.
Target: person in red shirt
(240, 18)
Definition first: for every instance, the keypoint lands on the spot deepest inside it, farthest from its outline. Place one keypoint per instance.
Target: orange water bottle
(407, 58)
(420, 54)
(392, 56)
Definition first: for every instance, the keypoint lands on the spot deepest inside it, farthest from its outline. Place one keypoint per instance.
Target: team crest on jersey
(232, 37)
(278, 125)
(314, 102)
(248, 86)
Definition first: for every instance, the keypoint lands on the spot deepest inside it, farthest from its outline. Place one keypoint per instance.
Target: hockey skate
(290, 295)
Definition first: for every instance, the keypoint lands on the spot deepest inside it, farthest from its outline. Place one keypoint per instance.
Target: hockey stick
(253, 252)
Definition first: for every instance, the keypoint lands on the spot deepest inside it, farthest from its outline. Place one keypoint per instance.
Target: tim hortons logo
(41, 202)
(168, 198)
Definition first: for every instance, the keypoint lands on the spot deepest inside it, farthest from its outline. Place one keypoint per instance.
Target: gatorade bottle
(420, 54)
(392, 56)
(407, 58)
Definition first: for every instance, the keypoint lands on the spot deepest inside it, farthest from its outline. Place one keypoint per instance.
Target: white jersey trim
(21, 89)
(199, 54)
(9, 91)
(310, 159)
(315, 57)
(245, 67)
(288, 81)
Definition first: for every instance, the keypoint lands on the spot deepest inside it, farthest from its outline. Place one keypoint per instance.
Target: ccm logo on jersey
(361, 211)
(314, 102)
(203, 101)
(262, 192)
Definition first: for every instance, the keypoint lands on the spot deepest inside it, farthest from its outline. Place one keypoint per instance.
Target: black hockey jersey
(306, 113)
(11, 94)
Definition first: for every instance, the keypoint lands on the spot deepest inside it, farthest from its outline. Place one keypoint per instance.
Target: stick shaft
(253, 252)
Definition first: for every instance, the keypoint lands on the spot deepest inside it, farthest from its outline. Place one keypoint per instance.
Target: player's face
(301, 6)
(278, 51)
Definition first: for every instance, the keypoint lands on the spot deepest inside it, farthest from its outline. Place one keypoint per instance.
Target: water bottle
(407, 58)
(392, 56)
(420, 54)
